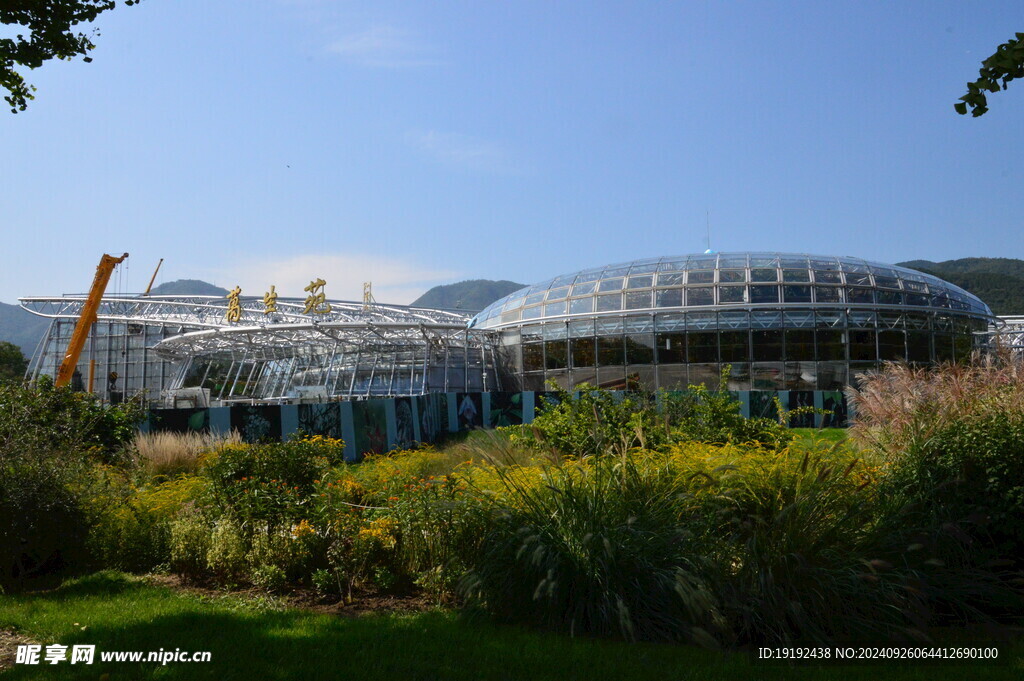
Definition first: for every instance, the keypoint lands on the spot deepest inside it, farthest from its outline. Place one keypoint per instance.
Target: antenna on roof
(707, 220)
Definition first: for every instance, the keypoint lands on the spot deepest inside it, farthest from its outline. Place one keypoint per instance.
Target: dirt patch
(9, 642)
(361, 603)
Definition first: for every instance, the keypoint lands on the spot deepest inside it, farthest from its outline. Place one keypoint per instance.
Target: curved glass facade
(781, 320)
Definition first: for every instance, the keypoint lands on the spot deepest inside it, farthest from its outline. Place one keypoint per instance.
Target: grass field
(250, 641)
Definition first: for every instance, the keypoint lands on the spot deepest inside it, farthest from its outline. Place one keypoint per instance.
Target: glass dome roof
(724, 281)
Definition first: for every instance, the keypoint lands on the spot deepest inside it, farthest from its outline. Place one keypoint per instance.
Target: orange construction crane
(87, 318)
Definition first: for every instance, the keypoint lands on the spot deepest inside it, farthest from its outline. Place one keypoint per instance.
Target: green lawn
(252, 642)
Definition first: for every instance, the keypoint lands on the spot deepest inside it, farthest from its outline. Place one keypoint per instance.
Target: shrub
(190, 544)
(953, 444)
(271, 482)
(226, 556)
(589, 422)
(599, 550)
(269, 578)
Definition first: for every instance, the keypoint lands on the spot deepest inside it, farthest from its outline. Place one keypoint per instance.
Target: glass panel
(824, 264)
(671, 321)
(731, 294)
(824, 277)
(732, 261)
(531, 312)
(726, 276)
(671, 348)
(861, 319)
(767, 344)
(583, 375)
(589, 275)
(701, 277)
(801, 376)
(800, 345)
(582, 352)
(584, 288)
(794, 262)
(708, 374)
(919, 347)
(828, 294)
(763, 261)
(943, 347)
(860, 295)
(887, 282)
(917, 299)
(702, 346)
(553, 309)
(796, 275)
(611, 285)
(556, 354)
(700, 296)
(672, 297)
(734, 319)
(610, 351)
(764, 294)
(862, 345)
(890, 298)
(644, 268)
(581, 305)
(563, 280)
(831, 375)
(641, 281)
(558, 293)
(764, 275)
(672, 377)
(858, 279)
(609, 303)
(533, 332)
(533, 357)
(671, 278)
(739, 376)
(638, 300)
(638, 324)
(797, 294)
(850, 266)
(534, 298)
(735, 346)
(556, 331)
(512, 316)
(672, 265)
(891, 345)
(615, 271)
(766, 376)
(831, 344)
(582, 329)
(640, 348)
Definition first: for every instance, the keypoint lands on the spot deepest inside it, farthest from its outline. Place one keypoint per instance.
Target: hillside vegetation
(997, 281)
(472, 296)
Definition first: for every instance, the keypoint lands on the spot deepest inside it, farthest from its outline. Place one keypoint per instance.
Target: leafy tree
(996, 71)
(12, 362)
(48, 32)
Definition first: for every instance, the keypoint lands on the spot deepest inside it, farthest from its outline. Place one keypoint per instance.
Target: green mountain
(472, 296)
(997, 281)
(188, 287)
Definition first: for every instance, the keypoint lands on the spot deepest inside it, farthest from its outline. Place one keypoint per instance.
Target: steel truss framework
(352, 351)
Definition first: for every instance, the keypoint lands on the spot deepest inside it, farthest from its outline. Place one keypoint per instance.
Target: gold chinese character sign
(316, 301)
(234, 306)
(270, 301)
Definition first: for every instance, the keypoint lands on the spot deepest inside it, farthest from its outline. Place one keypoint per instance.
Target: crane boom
(87, 318)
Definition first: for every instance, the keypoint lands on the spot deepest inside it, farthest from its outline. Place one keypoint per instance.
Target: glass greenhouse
(779, 320)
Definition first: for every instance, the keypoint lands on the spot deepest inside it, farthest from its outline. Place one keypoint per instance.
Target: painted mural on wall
(371, 427)
(834, 401)
(405, 423)
(181, 420)
(321, 419)
(469, 410)
(797, 399)
(257, 423)
(762, 405)
(506, 409)
(429, 418)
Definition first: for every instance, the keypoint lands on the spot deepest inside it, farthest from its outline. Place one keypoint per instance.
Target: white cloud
(384, 46)
(395, 280)
(465, 151)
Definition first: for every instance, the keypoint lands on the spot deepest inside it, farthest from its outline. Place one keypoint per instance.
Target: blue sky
(264, 142)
